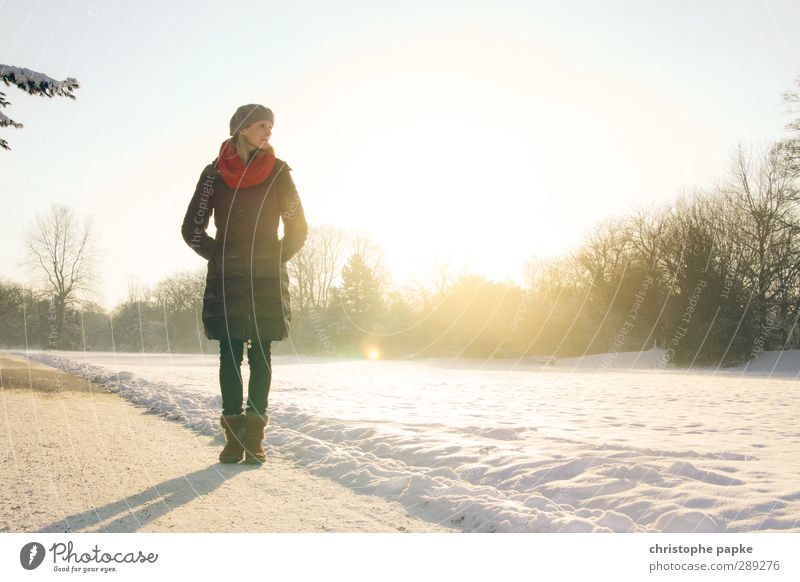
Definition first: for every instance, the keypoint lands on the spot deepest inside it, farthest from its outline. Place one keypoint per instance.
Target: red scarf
(236, 173)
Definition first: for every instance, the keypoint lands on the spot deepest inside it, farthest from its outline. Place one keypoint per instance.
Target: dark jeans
(230, 375)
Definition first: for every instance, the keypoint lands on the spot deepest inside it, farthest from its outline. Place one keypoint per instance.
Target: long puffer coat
(247, 285)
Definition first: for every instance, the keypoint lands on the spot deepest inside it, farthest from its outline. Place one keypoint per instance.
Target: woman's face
(257, 134)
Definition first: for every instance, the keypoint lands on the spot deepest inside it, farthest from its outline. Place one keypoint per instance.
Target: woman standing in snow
(246, 298)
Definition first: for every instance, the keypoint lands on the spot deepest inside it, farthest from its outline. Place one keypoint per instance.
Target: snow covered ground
(579, 446)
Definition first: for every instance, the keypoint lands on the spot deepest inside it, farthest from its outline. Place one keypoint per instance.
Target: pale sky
(482, 131)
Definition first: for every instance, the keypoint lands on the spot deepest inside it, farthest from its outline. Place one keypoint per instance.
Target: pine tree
(32, 83)
(360, 292)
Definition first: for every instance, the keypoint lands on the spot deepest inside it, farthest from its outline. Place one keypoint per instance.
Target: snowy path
(493, 450)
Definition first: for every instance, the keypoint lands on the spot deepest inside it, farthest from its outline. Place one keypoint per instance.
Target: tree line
(712, 278)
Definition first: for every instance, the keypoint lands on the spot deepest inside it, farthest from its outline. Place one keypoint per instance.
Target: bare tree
(315, 266)
(137, 291)
(791, 146)
(602, 256)
(181, 292)
(442, 273)
(437, 280)
(763, 195)
(647, 231)
(549, 277)
(63, 252)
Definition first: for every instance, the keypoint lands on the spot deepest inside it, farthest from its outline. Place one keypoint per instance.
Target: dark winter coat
(247, 284)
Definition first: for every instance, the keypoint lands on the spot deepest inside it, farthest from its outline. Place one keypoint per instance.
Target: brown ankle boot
(235, 434)
(253, 449)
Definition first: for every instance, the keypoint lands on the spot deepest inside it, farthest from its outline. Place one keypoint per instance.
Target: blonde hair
(242, 148)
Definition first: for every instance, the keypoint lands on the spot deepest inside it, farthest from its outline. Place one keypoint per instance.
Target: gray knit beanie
(248, 114)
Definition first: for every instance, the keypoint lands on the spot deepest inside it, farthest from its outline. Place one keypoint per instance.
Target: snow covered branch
(37, 83)
(33, 83)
